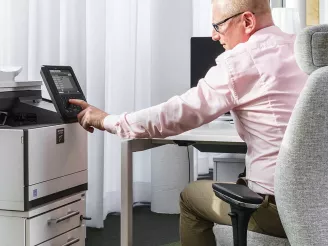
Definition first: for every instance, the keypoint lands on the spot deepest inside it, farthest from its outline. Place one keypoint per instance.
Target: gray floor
(150, 229)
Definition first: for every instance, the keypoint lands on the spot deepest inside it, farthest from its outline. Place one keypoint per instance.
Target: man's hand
(90, 117)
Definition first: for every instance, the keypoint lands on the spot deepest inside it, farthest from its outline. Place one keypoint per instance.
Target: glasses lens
(216, 27)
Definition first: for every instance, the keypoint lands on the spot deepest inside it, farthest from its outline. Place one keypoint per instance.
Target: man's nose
(215, 35)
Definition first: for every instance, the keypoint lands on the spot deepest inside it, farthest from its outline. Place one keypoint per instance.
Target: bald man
(258, 80)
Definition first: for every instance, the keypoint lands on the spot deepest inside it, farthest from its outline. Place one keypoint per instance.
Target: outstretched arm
(200, 105)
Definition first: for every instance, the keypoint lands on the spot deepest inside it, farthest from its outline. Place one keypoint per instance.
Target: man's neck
(263, 21)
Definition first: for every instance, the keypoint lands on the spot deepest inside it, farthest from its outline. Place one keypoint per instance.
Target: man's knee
(187, 192)
(184, 196)
(194, 192)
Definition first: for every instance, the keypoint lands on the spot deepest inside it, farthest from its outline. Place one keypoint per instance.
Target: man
(258, 80)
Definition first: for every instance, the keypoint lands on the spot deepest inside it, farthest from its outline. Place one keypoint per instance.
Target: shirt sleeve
(200, 105)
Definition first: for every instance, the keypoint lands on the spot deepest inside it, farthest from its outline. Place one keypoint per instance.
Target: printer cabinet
(52, 225)
(41, 163)
(12, 231)
(75, 237)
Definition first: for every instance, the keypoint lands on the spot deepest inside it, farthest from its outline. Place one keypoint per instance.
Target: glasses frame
(217, 25)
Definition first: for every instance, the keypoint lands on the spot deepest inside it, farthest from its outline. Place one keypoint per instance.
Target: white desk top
(218, 131)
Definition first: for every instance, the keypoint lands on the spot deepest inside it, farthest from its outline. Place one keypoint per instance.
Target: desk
(215, 137)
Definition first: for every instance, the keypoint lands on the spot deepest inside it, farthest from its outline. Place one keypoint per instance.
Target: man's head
(237, 20)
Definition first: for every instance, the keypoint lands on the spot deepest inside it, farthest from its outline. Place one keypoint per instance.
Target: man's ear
(249, 21)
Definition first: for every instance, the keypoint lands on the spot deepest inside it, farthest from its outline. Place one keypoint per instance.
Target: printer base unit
(41, 163)
(57, 223)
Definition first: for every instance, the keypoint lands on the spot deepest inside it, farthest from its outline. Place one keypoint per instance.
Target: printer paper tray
(51, 190)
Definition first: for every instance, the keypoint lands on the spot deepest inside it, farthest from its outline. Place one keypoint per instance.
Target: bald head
(236, 6)
(235, 21)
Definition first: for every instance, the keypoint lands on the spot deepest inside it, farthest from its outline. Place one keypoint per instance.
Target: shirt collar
(265, 31)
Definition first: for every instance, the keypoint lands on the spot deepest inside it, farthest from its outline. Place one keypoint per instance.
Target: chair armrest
(238, 195)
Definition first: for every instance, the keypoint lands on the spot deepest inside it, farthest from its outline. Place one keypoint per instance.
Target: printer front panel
(11, 169)
(56, 151)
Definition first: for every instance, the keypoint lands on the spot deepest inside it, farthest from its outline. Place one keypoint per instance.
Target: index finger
(79, 102)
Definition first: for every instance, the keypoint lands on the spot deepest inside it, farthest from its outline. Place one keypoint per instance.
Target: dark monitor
(204, 51)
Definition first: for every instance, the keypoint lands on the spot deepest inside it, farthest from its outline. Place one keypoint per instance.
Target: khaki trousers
(200, 209)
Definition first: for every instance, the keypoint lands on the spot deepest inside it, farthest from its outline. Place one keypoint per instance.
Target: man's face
(231, 32)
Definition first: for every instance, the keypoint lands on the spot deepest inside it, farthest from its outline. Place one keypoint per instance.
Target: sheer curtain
(300, 6)
(107, 44)
(202, 19)
(323, 12)
(127, 89)
(117, 50)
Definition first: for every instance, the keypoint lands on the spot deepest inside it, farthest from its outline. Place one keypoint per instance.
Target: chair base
(240, 217)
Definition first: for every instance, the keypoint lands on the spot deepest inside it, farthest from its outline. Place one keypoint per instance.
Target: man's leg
(199, 209)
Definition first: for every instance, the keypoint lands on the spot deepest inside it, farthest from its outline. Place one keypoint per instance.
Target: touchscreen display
(64, 81)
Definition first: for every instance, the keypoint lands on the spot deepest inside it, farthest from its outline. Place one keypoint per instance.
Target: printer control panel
(62, 85)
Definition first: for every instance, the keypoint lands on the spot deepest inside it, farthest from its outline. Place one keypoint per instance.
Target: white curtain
(287, 19)
(62, 32)
(119, 52)
(300, 5)
(202, 18)
(171, 30)
(107, 44)
(276, 3)
(323, 13)
(127, 89)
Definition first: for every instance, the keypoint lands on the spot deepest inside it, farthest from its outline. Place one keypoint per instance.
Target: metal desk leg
(126, 194)
(191, 164)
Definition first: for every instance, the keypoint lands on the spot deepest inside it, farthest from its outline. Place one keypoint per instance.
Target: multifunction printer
(43, 166)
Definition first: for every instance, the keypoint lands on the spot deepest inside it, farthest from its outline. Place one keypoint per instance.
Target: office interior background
(127, 55)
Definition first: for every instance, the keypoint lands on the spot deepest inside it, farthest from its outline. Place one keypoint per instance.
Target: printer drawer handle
(71, 242)
(61, 219)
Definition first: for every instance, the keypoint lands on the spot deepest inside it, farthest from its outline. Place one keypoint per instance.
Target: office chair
(301, 177)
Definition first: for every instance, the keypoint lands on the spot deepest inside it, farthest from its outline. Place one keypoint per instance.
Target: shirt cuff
(110, 122)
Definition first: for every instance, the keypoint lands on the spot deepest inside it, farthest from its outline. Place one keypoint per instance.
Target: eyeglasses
(219, 24)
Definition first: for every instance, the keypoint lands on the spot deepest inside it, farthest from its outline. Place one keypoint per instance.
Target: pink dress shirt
(258, 81)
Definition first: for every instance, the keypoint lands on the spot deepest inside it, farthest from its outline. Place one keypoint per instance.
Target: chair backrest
(301, 178)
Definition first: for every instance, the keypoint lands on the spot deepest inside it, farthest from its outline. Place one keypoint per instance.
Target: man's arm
(200, 105)
(213, 96)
